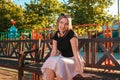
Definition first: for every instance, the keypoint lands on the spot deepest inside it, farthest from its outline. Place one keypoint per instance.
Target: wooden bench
(26, 55)
(23, 55)
(34, 65)
(29, 55)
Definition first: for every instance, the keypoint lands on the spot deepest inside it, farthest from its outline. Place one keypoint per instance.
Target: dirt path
(10, 74)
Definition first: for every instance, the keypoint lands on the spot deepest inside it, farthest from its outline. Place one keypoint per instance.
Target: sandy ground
(10, 74)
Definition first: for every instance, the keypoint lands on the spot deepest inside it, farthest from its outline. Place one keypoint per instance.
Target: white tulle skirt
(62, 66)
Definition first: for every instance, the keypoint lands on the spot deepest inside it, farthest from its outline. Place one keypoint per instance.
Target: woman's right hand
(78, 70)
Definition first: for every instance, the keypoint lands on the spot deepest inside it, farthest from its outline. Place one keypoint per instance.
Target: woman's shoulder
(55, 37)
(72, 32)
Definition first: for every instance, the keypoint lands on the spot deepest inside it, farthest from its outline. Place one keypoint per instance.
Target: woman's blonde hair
(67, 17)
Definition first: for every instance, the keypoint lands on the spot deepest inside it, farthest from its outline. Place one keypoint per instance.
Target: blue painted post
(12, 33)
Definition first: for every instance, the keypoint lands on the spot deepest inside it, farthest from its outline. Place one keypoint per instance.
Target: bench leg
(20, 74)
(36, 77)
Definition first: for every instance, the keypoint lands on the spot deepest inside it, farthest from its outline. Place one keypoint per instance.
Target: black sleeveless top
(63, 43)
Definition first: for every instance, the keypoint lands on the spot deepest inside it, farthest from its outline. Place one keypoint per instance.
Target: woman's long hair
(68, 18)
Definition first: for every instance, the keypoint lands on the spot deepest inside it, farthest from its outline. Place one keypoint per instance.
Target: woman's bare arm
(74, 44)
(54, 48)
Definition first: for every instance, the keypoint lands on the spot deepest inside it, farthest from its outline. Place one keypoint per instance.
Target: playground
(83, 31)
(14, 34)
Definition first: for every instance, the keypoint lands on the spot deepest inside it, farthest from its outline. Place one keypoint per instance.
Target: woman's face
(63, 24)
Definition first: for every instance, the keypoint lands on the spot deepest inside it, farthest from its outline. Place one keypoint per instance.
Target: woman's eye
(66, 24)
(61, 22)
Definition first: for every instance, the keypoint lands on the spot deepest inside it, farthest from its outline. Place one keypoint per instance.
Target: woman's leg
(49, 74)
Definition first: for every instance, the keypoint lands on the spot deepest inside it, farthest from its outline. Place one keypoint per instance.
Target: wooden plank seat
(33, 68)
(9, 63)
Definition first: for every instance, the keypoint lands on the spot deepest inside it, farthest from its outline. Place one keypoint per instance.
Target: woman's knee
(49, 72)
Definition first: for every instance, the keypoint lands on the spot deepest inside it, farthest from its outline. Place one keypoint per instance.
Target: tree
(89, 11)
(42, 13)
(9, 11)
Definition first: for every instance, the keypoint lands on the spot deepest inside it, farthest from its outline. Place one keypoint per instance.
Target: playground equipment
(42, 33)
(12, 33)
(87, 30)
(36, 35)
(25, 34)
(107, 32)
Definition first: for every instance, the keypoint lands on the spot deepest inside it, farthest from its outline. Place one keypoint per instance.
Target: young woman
(65, 61)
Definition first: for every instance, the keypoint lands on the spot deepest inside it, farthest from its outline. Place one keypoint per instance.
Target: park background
(38, 14)
(25, 16)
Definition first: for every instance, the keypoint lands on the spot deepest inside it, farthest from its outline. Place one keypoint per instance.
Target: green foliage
(42, 13)
(9, 11)
(84, 30)
(89, 11)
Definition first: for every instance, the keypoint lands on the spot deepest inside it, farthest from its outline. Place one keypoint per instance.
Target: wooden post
(20, 66)
(20, 63)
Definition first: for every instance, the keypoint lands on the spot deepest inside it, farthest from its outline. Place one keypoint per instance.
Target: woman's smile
(63, 25)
